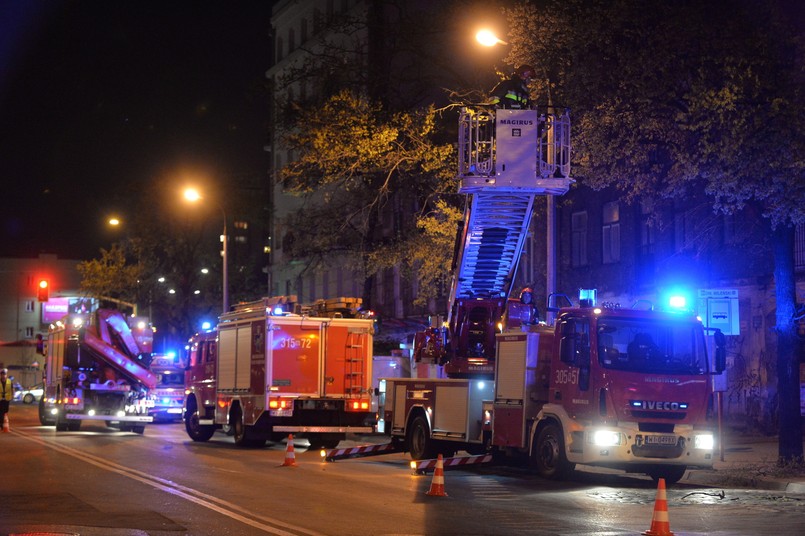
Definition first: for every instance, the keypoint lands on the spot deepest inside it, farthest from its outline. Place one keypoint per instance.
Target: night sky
(101, 99)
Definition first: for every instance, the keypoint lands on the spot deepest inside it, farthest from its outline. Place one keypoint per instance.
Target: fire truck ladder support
(360, 452)
(354, 364)
(452, 463)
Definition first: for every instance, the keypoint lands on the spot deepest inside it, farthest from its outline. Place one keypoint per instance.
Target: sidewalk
(750, 461)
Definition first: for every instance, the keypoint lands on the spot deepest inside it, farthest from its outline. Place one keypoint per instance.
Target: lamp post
(193, 195)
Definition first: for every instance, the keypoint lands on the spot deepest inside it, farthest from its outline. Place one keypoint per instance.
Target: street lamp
(488, 39)
(192, 195)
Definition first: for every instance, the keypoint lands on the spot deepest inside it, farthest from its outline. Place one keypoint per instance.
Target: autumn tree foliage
(676, 99)
(355, 165)
(363, 108)
(111, 275)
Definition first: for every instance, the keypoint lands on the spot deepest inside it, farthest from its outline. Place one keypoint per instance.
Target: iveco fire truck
(96, 368)
(272, 368)
(626, 388)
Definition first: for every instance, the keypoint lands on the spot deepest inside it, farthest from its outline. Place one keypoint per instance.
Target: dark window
(578, 240)
(799, 247)
(611, 233)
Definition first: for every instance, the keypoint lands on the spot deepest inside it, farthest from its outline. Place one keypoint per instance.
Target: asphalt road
(100, 481)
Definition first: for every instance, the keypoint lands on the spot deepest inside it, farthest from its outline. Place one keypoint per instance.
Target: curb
(712, 478)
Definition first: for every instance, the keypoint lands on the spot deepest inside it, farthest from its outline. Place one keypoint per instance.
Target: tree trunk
(790, 442)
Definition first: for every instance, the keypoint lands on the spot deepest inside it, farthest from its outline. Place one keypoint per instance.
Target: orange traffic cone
(660, 525)
(6, 427)
(437, 485)
(290, 458)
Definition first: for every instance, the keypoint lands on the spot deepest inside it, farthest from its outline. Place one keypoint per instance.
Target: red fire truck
(266, 372)
(608, 386)
(167, 396)
(96, 369)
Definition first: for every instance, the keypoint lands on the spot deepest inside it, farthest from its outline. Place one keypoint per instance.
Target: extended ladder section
(495, 228)
(118, 360)
(506, 159)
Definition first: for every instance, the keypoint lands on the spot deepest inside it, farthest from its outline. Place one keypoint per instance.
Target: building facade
(23, 318)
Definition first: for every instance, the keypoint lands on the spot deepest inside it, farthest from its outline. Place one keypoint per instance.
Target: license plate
(665, 440)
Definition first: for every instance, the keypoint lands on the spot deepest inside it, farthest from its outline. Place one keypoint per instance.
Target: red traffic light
(43, 290)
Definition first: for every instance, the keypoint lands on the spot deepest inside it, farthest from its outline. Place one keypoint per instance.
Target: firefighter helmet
(527, 295)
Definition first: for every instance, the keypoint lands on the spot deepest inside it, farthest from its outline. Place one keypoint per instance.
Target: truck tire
(548, 453)
(61, 423)
(44, 418)
(196, 431)
(671, 473)
(244, 435)
(420, 444)
(74, 426)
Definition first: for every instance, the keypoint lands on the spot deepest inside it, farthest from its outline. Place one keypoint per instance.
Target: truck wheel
(671, 473)
(44, 418)
(196, 431)
(74, 426)
(419, 442)
(244, 435)
(548, 454)
(61, 424)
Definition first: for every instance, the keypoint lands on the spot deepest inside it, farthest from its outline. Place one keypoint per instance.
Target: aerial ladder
(506, 158)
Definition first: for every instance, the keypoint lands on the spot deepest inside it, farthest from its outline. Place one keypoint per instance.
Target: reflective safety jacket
(7, 390)
(511, 93)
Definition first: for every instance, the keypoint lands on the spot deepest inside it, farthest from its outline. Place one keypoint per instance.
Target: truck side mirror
(721, 351)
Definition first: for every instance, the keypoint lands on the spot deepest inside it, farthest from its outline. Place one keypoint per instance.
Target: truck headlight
(704, 441)
(606, 438)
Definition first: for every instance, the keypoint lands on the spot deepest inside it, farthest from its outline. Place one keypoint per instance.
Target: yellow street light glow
(114, 221)
(191, 194)
(488, 39)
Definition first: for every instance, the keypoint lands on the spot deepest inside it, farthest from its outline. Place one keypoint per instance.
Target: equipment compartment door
(346, 360)
(295, 355)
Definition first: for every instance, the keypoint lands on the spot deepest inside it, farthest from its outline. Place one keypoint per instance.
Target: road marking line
(202, 499)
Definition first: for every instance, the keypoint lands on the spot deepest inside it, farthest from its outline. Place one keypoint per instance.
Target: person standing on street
(6, 393)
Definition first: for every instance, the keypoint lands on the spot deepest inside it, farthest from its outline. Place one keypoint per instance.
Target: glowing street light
(192, 195)
(488, 39)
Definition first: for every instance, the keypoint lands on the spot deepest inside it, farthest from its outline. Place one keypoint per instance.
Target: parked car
(30, 395)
